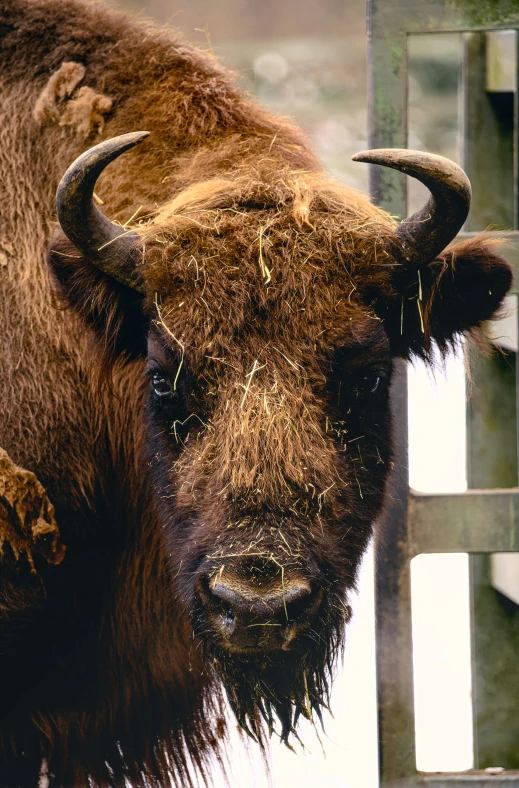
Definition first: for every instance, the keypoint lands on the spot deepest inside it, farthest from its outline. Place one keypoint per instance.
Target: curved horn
(426, 233)
(110, 247)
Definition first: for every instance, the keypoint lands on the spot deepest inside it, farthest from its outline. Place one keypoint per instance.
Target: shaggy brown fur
(273, 308)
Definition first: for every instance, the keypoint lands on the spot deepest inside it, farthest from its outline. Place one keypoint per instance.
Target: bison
(195, 429)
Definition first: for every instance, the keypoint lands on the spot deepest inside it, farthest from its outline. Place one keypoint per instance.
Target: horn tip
(134, 137)
(126, 141)
(373, 155)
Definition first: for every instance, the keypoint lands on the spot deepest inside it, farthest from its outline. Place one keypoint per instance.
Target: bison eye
(161, 385)
(372, 383)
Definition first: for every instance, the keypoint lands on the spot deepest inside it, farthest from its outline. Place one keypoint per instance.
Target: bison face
(272, 304)
(269, 449)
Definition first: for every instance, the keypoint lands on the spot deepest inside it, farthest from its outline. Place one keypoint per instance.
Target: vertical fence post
(388, 128)
(488, 158)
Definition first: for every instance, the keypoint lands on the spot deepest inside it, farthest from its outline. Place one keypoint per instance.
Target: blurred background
(307, 59)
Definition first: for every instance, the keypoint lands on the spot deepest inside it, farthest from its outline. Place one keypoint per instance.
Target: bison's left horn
(422, 236)
(108, 245)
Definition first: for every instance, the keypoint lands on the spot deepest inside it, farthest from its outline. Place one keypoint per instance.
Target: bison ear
(451, 296)
(112, 310)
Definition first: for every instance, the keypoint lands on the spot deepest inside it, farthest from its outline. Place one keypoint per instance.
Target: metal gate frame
(485, 519)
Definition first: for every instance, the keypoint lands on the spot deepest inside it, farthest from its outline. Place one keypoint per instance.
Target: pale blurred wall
(256, 19)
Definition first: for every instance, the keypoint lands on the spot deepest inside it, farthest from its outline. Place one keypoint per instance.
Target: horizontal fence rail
(475, 521)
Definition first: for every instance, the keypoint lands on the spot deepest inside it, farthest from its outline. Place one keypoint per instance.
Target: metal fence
(485, 519)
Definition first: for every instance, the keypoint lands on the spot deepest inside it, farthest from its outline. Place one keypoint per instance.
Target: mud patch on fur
(6, 252)
(27, 519)
(62, 102)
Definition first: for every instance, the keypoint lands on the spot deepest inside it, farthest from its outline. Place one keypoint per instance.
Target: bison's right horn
(108, 245)
(424, 235)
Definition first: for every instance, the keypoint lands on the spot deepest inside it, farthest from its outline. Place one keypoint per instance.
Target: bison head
(269, 305)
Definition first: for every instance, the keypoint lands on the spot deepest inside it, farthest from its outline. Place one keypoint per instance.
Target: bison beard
(277, 680)
(283, 684)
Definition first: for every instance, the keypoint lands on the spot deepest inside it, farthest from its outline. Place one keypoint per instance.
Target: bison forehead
(218, 300)
(300, 252)
(296, 331)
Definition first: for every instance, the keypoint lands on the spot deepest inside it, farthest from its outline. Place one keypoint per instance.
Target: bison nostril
(298, 607)
(226, 593)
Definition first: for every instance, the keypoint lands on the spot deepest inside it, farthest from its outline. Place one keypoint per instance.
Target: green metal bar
(387, 118)
(516, 131)
(476, 521)
(442, 16)
(475, 779)
(488, 158)
(488, 144)
(397, 759)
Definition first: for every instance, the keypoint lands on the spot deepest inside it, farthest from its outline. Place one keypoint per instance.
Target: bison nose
(289, 599)
(249, 615)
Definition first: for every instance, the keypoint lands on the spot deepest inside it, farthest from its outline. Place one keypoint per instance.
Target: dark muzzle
(252, 611)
